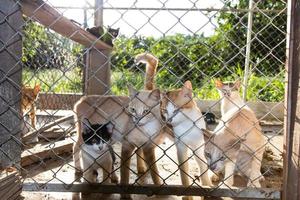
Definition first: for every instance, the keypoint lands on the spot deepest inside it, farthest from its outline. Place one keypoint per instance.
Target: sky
(148, 22)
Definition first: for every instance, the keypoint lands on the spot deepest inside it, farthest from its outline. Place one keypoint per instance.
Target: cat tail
(151, 66)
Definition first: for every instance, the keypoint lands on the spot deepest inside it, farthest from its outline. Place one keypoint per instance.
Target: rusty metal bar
(291, 179)
(149, 190)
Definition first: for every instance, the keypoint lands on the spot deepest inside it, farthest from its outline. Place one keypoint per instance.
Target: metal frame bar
(253, 193)
(149, 190)
(174, 9)
(248, 49)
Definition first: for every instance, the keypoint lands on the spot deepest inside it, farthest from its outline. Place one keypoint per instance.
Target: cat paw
(114, 178)
(262, 179)
(215, 178)
(143, 178)
(256, 182)
(77, 175)
(187, 198)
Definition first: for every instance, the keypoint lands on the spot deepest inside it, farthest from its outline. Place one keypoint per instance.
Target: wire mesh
(91, 117)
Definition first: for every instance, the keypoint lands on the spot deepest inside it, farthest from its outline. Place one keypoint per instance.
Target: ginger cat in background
(28, 102)
(182, 112)
(237, 143)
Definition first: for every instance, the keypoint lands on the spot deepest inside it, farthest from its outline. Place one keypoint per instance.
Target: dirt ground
(62, 171)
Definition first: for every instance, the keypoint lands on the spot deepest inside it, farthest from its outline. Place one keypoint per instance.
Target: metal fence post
(248, 49)
(97, 77)
(10, 82)
(291, 179)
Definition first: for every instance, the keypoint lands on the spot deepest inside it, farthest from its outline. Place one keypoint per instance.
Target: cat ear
(187, 89)
(235, 143)
(237, 84)
(219, 84)
(188, 85)
(86, 125)
(36, 89)
(110, 128)
(155, 94)
(132, 91)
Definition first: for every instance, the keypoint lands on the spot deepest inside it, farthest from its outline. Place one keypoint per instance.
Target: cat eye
(132, 110)
(207, 155)
(223, 158)
(146, 111)
(176, 111)
(226, 92)
(163, 110)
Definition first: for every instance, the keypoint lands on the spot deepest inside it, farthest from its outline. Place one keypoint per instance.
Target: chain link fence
(134, 98)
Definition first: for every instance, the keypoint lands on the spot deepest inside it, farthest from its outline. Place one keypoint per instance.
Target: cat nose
(169, 121)
(227, 94)
(137, 119)
(100, 148)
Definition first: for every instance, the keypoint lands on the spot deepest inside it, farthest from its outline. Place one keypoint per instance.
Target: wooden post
(51, 18)
(291, 179)
(97, 78)
(97, 74)
(10, 84)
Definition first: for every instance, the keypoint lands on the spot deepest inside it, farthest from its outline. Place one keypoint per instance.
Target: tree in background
(183, 57)
(268, 36)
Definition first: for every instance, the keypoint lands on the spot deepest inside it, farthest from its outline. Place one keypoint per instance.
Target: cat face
(143, 105)
(218, 149)
(227, 89)
(113, 32)
(175, 101)
(215, 157)
(96, 136)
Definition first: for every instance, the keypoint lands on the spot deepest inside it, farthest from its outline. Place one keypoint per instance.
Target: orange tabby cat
(182, 112)
(28, 98)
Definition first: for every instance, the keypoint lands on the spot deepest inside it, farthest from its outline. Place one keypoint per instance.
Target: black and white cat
(107, 35)
(97, 152)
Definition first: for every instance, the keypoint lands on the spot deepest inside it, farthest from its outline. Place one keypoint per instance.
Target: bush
(54, 80)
